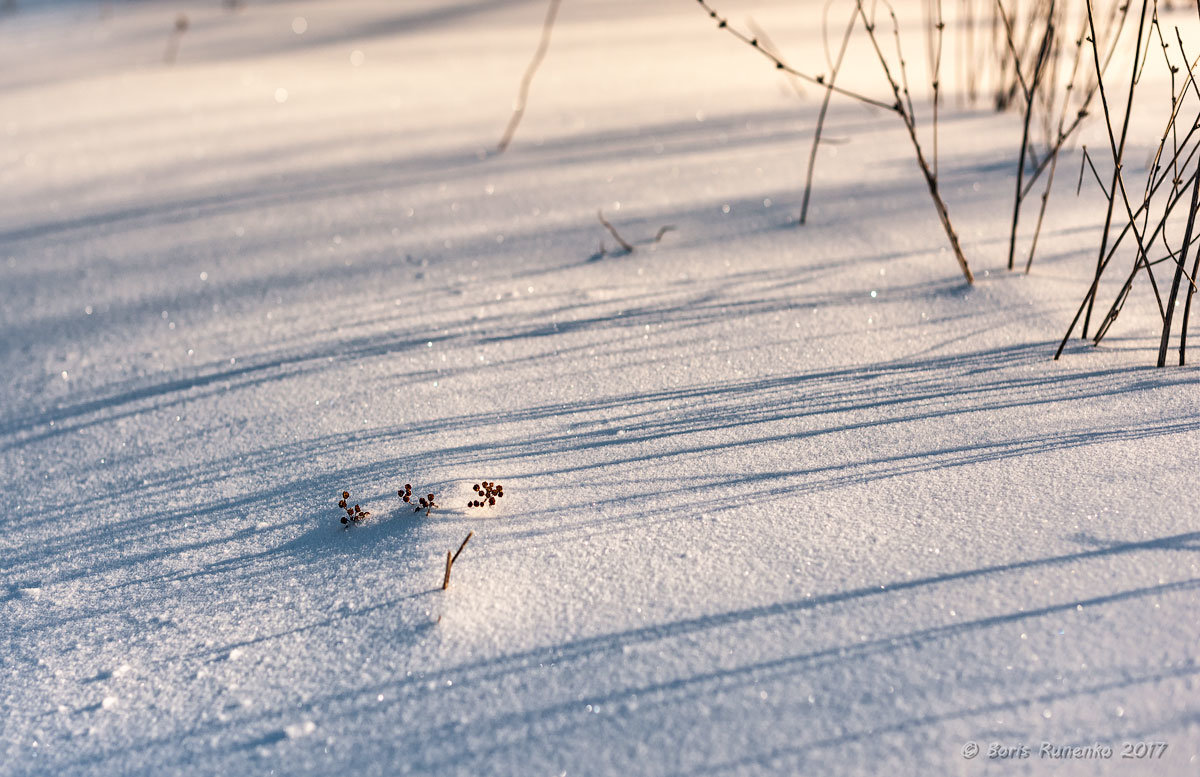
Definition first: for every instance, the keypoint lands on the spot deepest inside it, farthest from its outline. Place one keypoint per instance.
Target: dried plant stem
(812, 154)
(458, 552)
(452, 557)
(1187, 309)
(1064, 132)
(1118, 147)
(1052, 156)
(1030, 93)
(723, 23)
(902, 106)
(1113, 250)
(910, 124)
(1170, 312)
(1037, 228)
(616, 235)
(523, 91)
(940, 28)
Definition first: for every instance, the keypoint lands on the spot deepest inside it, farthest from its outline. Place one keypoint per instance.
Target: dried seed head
(408, 487)
(422, 501)
(345, 495)
(341, 503)
(430, 497)
(345, 520)
(491, 500)
(406, 498)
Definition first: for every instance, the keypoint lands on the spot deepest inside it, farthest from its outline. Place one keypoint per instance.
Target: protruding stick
(527, 79)
(613, 231)
(460, 547)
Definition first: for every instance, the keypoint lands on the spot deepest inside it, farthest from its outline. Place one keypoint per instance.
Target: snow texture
(778, 500)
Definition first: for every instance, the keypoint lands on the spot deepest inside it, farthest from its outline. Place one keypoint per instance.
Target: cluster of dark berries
(353, 514)
(425, 503)
(488, 494)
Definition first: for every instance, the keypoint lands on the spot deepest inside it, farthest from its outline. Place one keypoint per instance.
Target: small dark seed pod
(491, 500)
(345, 519)
(408, 487)
(407, 499)
(430, 497)
(345, 495)
(422, 501)
(341, 503)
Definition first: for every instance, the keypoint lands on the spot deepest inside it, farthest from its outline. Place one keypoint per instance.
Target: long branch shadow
(745, 413)
(498, 729)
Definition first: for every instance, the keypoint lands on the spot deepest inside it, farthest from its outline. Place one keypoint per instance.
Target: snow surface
(779, 500)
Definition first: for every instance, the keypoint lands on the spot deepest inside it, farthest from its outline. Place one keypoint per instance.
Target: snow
(778, 500)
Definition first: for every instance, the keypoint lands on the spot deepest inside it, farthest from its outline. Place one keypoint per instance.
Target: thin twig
(460, 547)
(527, 79)
(812, 154)
(723, 23)
(446, 579)
(1012, 48)
(910, 125)
(1118, 148)
(1113, 251)
(1081, 112)
(1030, 93)
(1187, 238)
(940, 26)
(613, 230)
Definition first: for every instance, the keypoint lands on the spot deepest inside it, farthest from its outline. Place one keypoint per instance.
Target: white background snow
(779, 500)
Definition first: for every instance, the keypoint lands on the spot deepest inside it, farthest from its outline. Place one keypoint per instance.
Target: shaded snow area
(779, 500)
